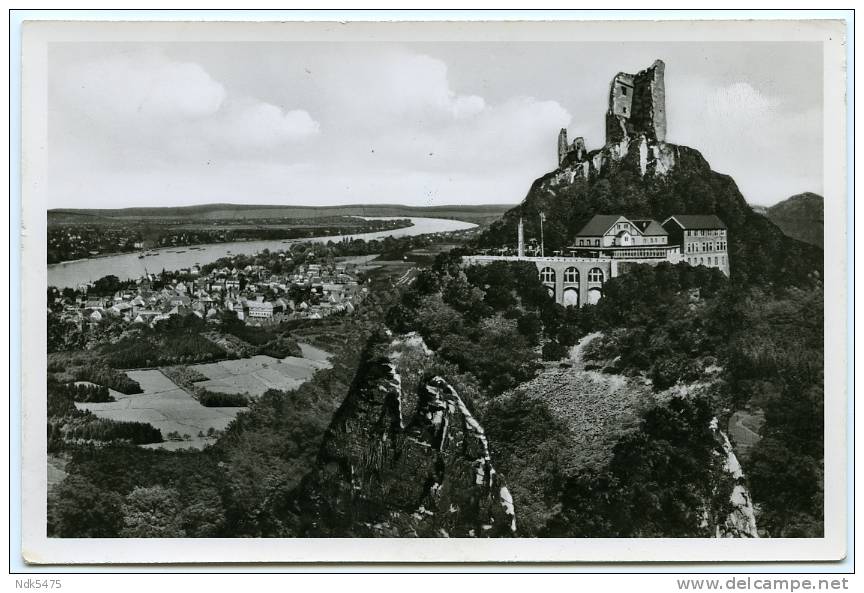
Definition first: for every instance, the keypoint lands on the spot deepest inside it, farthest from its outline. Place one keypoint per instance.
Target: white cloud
(397, 111)
(143, 105)
(750, 134)
(739, 101)
(254, 125)
(468, 106)
(140, 87)
(388, 126)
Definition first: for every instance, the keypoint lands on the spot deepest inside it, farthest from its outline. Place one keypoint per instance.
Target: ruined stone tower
(575, 151)
(635, 129)
(637, 105)
(563, 149)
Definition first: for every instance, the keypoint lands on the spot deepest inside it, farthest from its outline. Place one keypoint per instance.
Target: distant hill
(470, 213)
(78, 217)
(801, 217)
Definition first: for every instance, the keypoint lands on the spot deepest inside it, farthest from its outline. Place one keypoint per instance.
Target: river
(127, 266)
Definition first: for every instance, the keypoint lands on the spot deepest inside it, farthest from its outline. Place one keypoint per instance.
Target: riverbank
(198, 246)
(128, 267)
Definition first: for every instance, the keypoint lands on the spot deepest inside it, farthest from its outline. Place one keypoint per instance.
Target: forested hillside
(801, 217)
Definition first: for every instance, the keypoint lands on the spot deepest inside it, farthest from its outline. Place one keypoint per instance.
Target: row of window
(706, 233)
(571, 275)
(636, 252)
(596, 242)
(709, 246)
(717, 260)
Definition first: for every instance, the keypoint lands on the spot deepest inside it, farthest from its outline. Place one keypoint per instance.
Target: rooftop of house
(696, 221)
(598, 225)
(649, 227)
(601, 223)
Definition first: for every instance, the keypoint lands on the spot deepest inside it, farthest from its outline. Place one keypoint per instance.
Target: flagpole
(542, 218)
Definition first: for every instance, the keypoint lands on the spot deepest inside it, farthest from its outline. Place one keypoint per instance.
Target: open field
(171, 409)
(427, 255)
(255, 375)
(310, 352)
(166, 407)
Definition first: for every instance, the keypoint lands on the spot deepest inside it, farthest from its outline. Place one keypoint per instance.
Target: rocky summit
(638, 173)
(403, 463)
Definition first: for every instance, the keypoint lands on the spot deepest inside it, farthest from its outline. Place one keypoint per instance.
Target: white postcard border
(37, 548)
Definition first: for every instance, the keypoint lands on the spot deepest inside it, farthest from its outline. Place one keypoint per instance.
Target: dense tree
(152, 512)
(98, 373)
(530, 447)
(203, 514)
(222, 400)
(107, 285)
(661, 481)
(77, 508)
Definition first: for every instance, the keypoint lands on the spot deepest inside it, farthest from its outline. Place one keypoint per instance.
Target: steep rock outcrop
(741, 519)
(381, 474)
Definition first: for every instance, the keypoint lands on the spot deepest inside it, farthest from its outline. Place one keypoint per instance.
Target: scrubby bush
(213, 399)
(100, 374)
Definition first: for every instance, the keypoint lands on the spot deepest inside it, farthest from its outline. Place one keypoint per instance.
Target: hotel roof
(598, 225)
(649, 227)
(697, 221)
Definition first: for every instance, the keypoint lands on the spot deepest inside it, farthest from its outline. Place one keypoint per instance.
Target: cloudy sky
(413, 123)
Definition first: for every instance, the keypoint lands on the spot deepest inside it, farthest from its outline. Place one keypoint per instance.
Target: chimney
(521, 239)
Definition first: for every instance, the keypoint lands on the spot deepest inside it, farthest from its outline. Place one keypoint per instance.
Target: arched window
(571, 276)
(595, 275)
(547, 275)
(571, 297)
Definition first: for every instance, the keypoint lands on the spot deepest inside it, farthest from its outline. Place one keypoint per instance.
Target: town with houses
(253, 293)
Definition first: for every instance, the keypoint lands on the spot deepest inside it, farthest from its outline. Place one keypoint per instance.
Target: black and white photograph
(495, 284)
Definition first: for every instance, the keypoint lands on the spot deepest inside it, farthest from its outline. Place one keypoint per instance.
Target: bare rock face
(382, 475)
(741, 518)
(637, 154)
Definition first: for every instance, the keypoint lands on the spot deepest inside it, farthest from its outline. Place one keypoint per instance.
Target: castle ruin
(609, 245)
(637, 105)
(636, 118)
